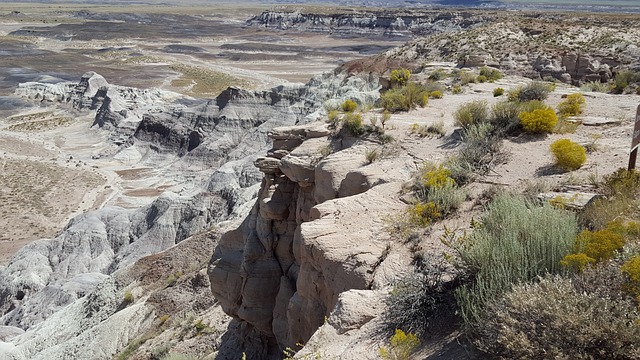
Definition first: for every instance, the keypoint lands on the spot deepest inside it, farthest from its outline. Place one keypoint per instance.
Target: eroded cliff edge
(316, 230)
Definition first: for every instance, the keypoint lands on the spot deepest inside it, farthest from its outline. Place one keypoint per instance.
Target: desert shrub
(466, 77)
(577, 262)
(623, 79)
(568, 155)
(538, 121)
(535, 90)
(349, 106)
(480, 150)
(424, 213)
(474, 112)
(482, 79)
(333, 117)
(456, 89)
(371, 155)
(417, 299)
(530, 106)
(622, 182)
(404, 98)
(490, 74)
(432, 176)
(573, 105)
(353, 123)
(128, 297)
(498, 92)
(401, 346)
(558, 319)
(505, 115)
(510, 247)
(447, 198)
(399, 77)
(436, 94)
(595, 86)
(438, 74)
(631, 269)
(599, 245)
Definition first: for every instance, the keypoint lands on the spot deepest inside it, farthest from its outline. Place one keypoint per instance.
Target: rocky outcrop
(369, 23)
(101, 323)
(315, 231)
(45, 276)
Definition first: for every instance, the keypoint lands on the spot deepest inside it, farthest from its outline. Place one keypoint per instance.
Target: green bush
(557, 319)
(457, 89)
(399, 77)
(510, 247)
(482, 79)
(573, 105)
(538, 121)
(438, 74)
(535, 90)
(490, 74)
(128, 297)
(466, 77)
(505, 115)
(623, 79)
(401, 346)
(471, 113)
(353, 123)
(404, 98)
(436, 94)
(568, 155)
(481, 148)
(349, 106)
(498, 92)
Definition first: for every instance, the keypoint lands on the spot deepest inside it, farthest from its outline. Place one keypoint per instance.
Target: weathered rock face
(386, 23)
(314, 232)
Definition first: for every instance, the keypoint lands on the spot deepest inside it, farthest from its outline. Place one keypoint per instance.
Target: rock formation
(51, 282)
(315, 231)
(369, 23)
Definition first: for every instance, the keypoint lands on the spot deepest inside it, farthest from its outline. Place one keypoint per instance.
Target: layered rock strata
(315, 231)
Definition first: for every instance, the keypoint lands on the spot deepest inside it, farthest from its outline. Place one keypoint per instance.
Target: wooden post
(635, 141)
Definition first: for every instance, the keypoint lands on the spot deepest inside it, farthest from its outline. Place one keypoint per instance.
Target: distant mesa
(182, 49)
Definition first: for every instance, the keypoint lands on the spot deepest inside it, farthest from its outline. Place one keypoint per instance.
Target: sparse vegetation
(404, 98)
(401, 346)
(400, 77)
(349, 106)
(498, 92)
(490, 74)
(535, 90)
(472, 113)
(573, 105)
(353, 123)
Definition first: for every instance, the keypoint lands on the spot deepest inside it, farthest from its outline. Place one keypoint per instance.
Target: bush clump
(535, 90)
(490, 74)
(472, 113)
(353, 123)
(538, 121)
(349, 106)
(401, 346)
(399, 77)
(573, 105)
(498, 92)
(623, 79)
(557, 318)
(568, 154)
(510, 247)
(404, 98)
